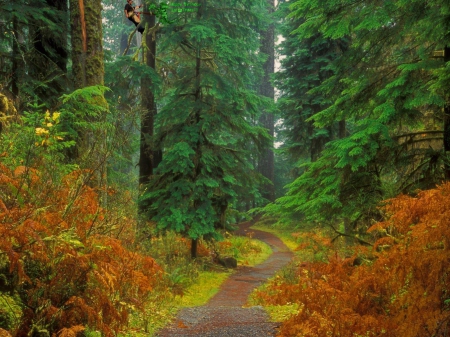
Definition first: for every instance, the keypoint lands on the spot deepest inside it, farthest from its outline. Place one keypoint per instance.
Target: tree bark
(15, 60)
(88, 70)
(266, 161)
(149, 158)
(198, 97)
(87, 46)
(447, 124)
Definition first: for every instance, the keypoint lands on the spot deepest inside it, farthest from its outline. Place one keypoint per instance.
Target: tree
(149, 158)
(385, 85)
(205, 126)
(266, 89)
(33, 51)
(88, 70)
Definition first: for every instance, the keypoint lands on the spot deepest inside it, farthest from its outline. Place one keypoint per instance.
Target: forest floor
(226, 313)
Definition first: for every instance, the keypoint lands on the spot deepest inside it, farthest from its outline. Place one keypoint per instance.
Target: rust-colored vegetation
(399, 287)
(69, 262)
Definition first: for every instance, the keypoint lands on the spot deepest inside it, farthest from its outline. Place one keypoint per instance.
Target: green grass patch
(163, 307)
(284, 235)
(247, 251)
(205, 287)
(280, 313)
(264, 252)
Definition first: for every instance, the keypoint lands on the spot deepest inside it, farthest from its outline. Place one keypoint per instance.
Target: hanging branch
(361, 241)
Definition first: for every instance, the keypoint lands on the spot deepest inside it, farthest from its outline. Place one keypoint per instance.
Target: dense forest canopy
(110, 137)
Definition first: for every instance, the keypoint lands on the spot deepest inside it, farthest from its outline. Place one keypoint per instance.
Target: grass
(164, 306)
(205, 287)
(248, 251)
(280, 313)
(284, 235)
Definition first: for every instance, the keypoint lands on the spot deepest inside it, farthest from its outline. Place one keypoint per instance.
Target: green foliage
(205, 123)
(382, 83)
(34, 48)
(39, 139)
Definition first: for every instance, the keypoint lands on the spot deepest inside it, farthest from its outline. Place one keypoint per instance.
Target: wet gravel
(224, 315)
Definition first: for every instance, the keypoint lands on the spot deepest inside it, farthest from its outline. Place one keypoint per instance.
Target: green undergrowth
(284, 234)
(188, 283)
(204, 288)
(247, 251)
(10, 311)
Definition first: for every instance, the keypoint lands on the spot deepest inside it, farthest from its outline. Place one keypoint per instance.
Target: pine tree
(266, 161)
(204, 125)
(88, 71)
(385, 85)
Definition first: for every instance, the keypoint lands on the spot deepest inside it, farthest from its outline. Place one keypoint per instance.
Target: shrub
(64, 257)
(402, 290)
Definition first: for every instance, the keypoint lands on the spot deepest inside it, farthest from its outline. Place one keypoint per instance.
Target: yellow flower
(49, 125)
(41, 131)
(55, 116)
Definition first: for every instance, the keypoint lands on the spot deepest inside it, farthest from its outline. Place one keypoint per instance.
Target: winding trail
(224, 314)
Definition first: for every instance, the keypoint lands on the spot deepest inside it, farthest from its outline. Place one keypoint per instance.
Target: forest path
(224, 314)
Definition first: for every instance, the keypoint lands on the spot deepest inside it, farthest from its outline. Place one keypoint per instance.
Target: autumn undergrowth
(397, 287)
(187, 282)
(70, 260)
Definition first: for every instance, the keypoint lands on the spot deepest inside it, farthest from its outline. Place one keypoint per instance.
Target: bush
(400, 289)
(64, 257)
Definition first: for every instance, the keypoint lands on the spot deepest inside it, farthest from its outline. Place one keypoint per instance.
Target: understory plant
(398, 287)
(68, 263)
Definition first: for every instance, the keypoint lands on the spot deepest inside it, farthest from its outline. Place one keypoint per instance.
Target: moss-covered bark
(88, 70)
(87, 51)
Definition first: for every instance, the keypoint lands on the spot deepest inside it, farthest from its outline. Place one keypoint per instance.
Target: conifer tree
(267, 120)
(33, 50)
(385, 85)
(88, 71)
(205, 126)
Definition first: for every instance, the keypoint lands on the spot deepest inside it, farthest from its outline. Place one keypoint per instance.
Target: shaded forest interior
(126, 159)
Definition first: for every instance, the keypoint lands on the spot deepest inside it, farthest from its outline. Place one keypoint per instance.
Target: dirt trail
(223, 315)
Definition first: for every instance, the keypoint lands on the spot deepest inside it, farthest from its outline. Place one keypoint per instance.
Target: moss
(88, 67)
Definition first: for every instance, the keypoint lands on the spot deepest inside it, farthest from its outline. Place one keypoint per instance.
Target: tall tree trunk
(88, 70)
(16, 57)
(266, 161)
(87, 47)
(198, 97)
(148, 157)
(342, 130)
(447, 123)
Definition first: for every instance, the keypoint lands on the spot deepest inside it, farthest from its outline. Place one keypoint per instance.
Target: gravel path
(224, 315)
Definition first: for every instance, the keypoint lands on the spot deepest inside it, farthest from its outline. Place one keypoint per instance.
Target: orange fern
(404, 291)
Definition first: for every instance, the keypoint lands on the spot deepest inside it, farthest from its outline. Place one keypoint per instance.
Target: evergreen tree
(88, 71)
(266, 161)
(33, 50)
(204, 125)
(385, 85)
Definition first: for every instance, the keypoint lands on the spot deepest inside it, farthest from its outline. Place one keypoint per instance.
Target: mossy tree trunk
(447, 123)
(87, 47)
(88, 70)
(149, 158)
